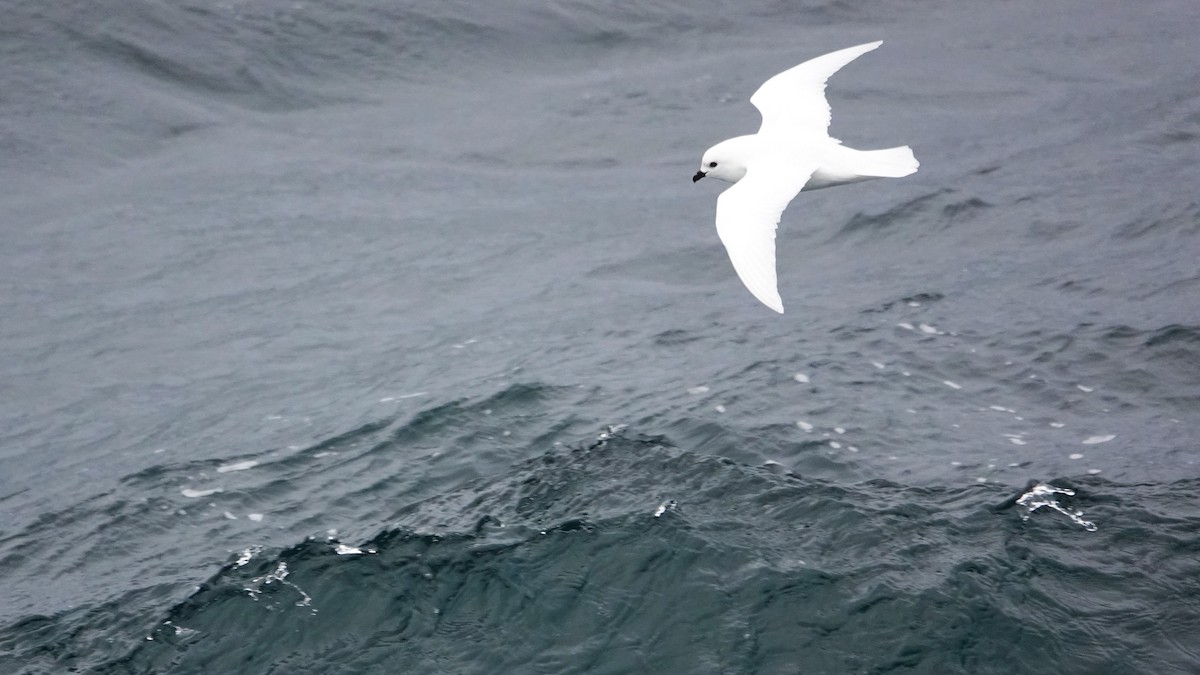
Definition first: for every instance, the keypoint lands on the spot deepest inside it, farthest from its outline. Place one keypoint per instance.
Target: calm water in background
(339, 338)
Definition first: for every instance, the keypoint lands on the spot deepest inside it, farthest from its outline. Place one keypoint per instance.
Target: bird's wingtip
(775, 304)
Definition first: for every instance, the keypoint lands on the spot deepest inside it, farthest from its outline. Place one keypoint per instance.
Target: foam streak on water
(1043, 496)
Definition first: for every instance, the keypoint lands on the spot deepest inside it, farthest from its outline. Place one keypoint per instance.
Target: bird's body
(791, 152)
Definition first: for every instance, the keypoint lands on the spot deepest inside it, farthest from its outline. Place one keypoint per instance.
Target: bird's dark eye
(712, 165)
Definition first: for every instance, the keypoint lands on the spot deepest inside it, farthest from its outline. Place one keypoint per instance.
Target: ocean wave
(263, 55)
(609, 539)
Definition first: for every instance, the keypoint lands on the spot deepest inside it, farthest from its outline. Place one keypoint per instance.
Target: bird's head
(725, 160)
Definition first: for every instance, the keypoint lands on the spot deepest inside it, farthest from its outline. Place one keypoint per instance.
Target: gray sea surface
(358, 337)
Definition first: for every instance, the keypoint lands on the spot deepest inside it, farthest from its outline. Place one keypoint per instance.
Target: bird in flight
(791, 152)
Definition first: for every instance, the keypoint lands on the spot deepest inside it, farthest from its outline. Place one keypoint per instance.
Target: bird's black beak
(698, 176)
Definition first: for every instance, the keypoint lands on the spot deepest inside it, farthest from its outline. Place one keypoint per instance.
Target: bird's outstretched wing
(747, 215)
(793, 102)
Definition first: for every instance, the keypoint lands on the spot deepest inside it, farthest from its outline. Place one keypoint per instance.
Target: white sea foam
(1042, 495)
(1094, 440)
(342, 549)
(388, 399)
(196, 494)
(279, 576)
(246, 555)
(237, 466)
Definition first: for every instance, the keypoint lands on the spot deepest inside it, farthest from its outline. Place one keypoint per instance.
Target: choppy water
(339, 337)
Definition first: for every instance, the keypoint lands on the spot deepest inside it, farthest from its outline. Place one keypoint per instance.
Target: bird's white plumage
(793, 102)
(747, 216)
(770, 168)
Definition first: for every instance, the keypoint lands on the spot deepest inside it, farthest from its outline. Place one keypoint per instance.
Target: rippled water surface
(347, 337)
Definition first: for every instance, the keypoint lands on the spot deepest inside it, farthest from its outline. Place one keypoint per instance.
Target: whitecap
(1042, 495)
(196, 494)
(237, 466)
(342, 549)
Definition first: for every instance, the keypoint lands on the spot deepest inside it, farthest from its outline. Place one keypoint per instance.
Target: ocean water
(356, 337)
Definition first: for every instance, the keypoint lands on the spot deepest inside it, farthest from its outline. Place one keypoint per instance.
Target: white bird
(792, 151)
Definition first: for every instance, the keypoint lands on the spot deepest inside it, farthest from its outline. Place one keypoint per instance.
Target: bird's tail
(889, 163)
